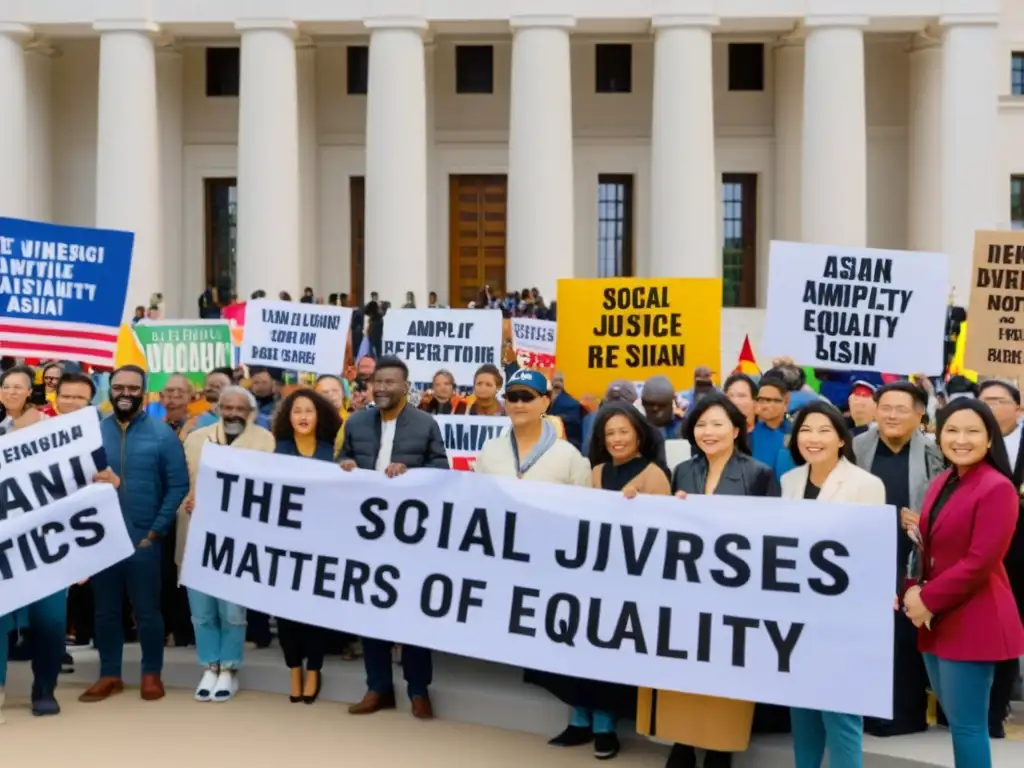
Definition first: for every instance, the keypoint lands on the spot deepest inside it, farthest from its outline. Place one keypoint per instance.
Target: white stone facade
(886, 123)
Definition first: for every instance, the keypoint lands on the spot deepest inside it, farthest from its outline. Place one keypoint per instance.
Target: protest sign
(191, 348)
(299, 337)
(633, 328)
(533, 342)
(995, 336)
(460, 340)
(48, 461)
(62, 290)
(464, 436)
(856, 308)
(64, 542)
(747, 598)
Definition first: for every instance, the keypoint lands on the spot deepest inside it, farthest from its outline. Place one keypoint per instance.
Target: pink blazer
(966, 587)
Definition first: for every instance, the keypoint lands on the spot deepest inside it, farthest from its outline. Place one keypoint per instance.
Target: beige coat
(253, 439)
(847, 483)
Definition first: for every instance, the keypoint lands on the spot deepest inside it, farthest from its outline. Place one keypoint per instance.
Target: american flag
(58, 340)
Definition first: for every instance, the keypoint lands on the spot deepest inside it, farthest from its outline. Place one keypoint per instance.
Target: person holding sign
(827, 471)
(486, 384)
(306, 425)
(962, 603)
(721, 465)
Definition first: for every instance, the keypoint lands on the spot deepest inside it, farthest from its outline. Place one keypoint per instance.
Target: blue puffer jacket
(150, 460)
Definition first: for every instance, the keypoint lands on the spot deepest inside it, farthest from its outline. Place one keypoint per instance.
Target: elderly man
(219, 625)
(658, 399)
(216, 381)
(905, 460)
(175, 397)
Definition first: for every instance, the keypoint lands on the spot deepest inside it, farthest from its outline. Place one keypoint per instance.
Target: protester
(266, 389)
(771, 432)
(332, 389)
(175, 398)
(619, 391)
(216, 381)
(721, 465)
(658, 400)
(74, 392)
(147, 457)
(567, 409)
(962, 603)
(393, 438)
(742, 392)
(862, 405)
(703, 384)
(898, 453)
(441, 400)
(826, 470)
(51, 374)
(16, 409)
(219, 625)
(484, 401)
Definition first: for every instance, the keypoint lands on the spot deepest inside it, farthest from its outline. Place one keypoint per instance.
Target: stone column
(541, 212)
(14, 138)
(39, 61)
(309, 178)
(684, 187)
(179, 295)
(924, 148)
(789, 119)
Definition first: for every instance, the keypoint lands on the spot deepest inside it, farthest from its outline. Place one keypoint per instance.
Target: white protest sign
(296, 336)
(49, 460)
(459, 340)
(534, 342)
(856, 308)
(747, 598)
(464, 436)
(69, 540)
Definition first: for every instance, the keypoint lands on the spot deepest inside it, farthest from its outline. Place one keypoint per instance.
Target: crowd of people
(950, 459)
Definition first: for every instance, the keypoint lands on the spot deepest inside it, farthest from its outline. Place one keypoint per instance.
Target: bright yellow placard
(635, 328)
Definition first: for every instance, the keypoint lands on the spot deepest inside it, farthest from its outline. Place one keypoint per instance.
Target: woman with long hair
(442, 400)
(487, 383)
(16, 408)
(306, 425)
(962, 604)
(826, 470)
(721, 465)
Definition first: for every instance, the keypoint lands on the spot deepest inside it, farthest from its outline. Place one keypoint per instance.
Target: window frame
(624, 242)
(746, 285)
(615, 58)
(466, 63)
(217, 85)
(357, 73)
(739, 78)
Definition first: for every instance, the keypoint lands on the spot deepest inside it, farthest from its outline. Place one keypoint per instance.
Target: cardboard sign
(995, 333)
(191, 348)
(635, 328)
(296, 336)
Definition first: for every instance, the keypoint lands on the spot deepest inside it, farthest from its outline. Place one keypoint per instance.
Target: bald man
(658, 399)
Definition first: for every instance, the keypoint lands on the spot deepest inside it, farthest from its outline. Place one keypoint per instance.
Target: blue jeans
(417, 665)
(595, 719)
(48, 624)
(962, 688)
(140, 575)
(814, 731)
(220, 630)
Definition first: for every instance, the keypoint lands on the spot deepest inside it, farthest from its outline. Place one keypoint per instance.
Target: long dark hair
(995, 456)
(831, 413)
(647, 445)
(702, 406)
(328, 422)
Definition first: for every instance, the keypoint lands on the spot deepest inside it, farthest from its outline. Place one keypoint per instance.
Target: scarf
(548, 437)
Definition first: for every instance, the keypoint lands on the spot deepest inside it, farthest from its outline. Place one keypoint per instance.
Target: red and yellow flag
(747, 363)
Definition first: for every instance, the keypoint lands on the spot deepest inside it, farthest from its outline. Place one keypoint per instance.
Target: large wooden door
(476, 236)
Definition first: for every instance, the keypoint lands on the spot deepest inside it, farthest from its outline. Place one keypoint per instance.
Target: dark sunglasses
(520, 396)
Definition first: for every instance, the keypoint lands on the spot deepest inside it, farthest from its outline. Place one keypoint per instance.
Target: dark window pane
(358, 69)
(474, 69)
(1017, 202)
(615, 225)
(222, 71)
(614, 67)
(221, 236)
(746, 66)
(739, 240)
(1017, 74)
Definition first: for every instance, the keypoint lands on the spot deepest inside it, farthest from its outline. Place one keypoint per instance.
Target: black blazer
(742, 476)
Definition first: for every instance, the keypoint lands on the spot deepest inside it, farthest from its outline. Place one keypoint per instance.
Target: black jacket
(742, 476)
(418, 442)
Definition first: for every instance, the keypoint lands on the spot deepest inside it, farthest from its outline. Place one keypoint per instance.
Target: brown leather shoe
(102, 689)
(373, 702)
(152, 688)
(421, 708)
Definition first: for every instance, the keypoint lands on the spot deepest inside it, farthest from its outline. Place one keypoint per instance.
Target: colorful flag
(62, 291)
(956, 365)
(747, 363)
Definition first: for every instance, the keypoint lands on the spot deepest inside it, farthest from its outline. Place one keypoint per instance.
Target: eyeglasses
(770, 400)
(520, 396)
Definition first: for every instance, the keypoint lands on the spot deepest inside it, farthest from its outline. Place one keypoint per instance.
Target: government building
(440, 145)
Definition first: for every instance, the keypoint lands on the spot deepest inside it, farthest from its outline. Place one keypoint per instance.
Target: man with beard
(266, 390)
(149, 461)
(216, 381)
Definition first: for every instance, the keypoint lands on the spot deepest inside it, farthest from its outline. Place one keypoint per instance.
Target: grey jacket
(926, 461)
(418, 442)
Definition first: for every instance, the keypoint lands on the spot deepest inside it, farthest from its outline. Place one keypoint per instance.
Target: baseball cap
(621, 389)
(862, 388)
(527, 379)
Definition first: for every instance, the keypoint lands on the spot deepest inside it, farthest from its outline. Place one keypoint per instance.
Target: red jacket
(966, 586)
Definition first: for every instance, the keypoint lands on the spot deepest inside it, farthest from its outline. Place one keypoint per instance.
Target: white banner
(459, 340)
(534, 342)
(296, 336)
(64, 542)
(750, 599)
(48, 461)
(464, 436)
(856, 308)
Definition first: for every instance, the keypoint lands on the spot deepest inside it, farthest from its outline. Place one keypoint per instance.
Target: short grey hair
(234, 389)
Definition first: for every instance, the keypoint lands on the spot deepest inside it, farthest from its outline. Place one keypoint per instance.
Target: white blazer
(847, 483)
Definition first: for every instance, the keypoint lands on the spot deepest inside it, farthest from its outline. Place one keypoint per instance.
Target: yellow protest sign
(128, 351)
(635, 328)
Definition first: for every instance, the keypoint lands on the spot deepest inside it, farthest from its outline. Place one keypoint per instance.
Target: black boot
(44, 704)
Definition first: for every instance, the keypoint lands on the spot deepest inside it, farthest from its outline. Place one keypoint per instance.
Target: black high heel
(319, 684)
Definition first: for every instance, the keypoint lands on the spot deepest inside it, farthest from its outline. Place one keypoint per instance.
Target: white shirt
(1012, 443)
(387, 444)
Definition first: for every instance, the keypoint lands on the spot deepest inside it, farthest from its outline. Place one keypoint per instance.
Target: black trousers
(81, 613)
(1007, 674)
(258, 629)
(302, 643)
(910, 687)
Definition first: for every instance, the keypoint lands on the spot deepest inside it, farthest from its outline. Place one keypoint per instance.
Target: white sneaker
(3, 698)
(207, 684)
(227, 686)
